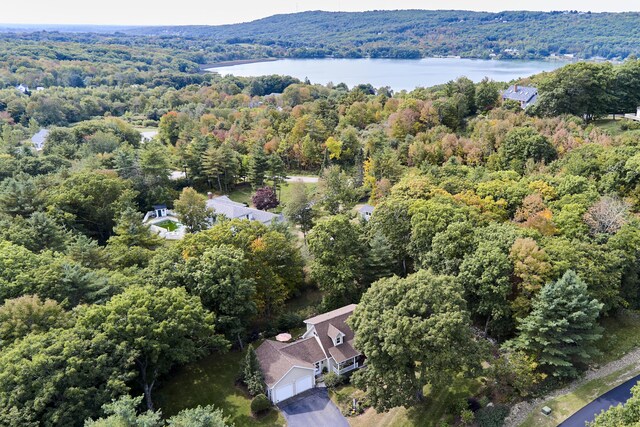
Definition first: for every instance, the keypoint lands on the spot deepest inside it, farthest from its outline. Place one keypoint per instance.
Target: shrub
(492, 416)
(333, 380)
(467, 417)
(260, 404)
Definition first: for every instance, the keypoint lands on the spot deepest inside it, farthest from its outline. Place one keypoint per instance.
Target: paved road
(305, 179)
(312, 408)
(620, 394)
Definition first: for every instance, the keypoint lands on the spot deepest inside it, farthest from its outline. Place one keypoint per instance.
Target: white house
(326, 346)
(223, 205)
(22, 88)
(366, 211)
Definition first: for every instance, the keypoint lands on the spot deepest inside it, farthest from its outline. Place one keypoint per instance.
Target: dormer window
(339, 340)
(335, 334)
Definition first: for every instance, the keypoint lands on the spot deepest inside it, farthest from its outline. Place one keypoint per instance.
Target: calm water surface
(399, 74)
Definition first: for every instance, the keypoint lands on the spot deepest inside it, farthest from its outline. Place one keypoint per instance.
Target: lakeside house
(525, 95)
(223, 205)
(326, 346)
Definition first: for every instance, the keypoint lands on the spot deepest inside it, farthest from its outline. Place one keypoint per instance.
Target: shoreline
(222, 64)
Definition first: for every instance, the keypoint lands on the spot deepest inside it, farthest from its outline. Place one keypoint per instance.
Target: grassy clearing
(620, 336)
(437, 408)
(566, 405)
(167, 225)
(212, 381)
(242, 193)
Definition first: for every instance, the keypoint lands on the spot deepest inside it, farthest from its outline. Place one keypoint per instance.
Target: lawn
(242, 193)
(212, 381)
(564, 406)
(620, 336)
(167, 225)
(436, 409)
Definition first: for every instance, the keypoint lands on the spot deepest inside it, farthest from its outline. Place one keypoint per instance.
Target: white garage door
(284, 392)
(304, 384)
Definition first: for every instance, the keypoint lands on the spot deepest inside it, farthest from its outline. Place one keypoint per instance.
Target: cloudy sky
(212, 12)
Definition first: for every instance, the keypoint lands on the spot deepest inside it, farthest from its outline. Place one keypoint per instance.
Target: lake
(399, 74)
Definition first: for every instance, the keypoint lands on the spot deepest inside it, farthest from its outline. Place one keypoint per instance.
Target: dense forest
(492, 226)
(406, 34)
(421, 33)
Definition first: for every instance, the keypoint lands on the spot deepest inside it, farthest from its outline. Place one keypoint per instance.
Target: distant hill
(420, 33)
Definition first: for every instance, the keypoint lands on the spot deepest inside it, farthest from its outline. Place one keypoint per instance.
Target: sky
(214, 12)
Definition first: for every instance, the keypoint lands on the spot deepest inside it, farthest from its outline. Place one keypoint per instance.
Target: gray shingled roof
(225, 206)
(523, 94)
(336, 319)
(276, 358)
(39, 139)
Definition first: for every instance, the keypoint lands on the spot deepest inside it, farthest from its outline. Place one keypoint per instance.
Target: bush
(332, 380)
(260, 404)
(492, 416)
(467, 417)
(288, 321)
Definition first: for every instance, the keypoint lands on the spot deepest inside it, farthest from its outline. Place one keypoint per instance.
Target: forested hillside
(421, 33)
(491, 227)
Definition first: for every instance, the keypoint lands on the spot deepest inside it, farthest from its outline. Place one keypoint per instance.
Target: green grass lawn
(435, 410)
(242, 193)
(212, 381)
(562, 407)
(620, 336)
(167, 225)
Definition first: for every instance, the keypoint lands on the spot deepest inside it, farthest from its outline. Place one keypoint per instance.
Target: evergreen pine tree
(258, 164)
(562, 327)
(380, 261)
(251, 373)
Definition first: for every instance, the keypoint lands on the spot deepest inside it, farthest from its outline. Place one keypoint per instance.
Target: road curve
(613, 397)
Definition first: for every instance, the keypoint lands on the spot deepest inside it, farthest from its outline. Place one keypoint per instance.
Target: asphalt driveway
(618, 395)
(312, 408)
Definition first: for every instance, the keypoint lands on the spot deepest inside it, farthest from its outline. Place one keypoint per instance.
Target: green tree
(338, 255)
(487, 95)
(583, 89)
(133, 243)
(159, 328)
(415, 331)
(19, 196)
(123, 413)
(623, 415)
(258, 166)
(218, 277)
(92, 201)
(299, 209)
(562, 327)
(60, 377)
(522, 144)
(337, 191)
(251, 372)
(192, 210)
(29, 314)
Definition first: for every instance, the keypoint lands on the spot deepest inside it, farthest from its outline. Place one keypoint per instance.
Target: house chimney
(515, 88)
(210, 195)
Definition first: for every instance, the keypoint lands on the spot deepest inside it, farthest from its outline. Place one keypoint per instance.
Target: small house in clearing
(223, 205)
(366, 211)
(525, 95)
(326, 346)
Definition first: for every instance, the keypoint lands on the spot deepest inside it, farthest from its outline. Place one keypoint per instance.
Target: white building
(326, 346)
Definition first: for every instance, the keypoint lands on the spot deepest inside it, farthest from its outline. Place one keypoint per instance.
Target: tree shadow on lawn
(212, 381)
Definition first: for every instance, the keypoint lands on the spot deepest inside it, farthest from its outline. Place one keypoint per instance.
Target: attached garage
(283, 392)
(304, 384)
(296, 381)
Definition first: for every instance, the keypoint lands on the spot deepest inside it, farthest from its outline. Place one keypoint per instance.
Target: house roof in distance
(347, 309)
(520, 93)
(225, 206)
